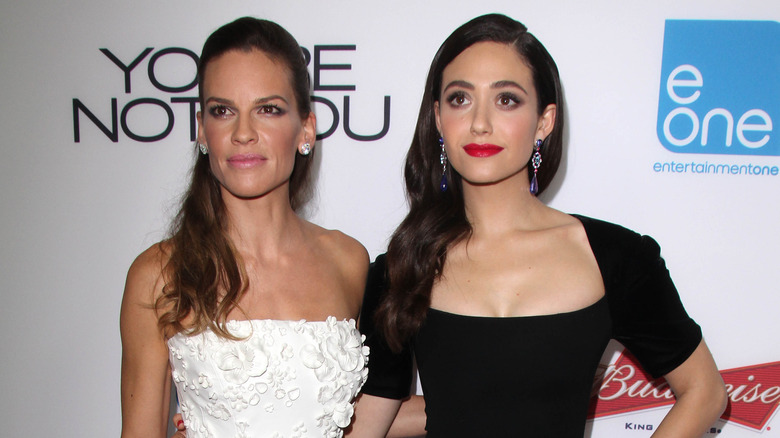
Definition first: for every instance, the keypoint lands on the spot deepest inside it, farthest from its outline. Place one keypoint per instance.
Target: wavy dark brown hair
(204, 275)
(436, 219)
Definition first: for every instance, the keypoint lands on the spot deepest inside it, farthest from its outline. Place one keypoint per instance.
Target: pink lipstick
(482, 150)
(244, 161)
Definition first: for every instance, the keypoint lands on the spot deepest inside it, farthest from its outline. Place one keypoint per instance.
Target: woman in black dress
(506, 303)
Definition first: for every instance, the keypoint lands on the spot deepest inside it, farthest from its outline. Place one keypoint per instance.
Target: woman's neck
(263, 227)
(506, 206)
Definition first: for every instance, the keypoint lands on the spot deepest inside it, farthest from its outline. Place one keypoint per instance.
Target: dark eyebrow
(459, 83)
(504, 84)
(263, 100)
(258, 101)
(497, 84)
(219, 100)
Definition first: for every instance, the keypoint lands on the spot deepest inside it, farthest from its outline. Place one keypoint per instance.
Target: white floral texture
(284, 379)
(240, 361)
(339, 355)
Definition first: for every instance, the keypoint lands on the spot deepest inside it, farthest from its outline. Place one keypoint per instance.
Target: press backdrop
(96, 141)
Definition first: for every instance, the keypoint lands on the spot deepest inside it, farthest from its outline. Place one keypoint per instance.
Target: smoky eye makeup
(219, 111)
(457, 98)
(271, 109)
(508, 99)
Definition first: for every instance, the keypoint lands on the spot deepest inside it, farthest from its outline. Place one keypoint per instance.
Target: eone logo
(720, 84)
(764, 125)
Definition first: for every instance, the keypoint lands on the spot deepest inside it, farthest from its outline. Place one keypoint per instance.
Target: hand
(181, 429)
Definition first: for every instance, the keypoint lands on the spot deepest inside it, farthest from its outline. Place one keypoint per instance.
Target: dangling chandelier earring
(443, 161)
(536, 161)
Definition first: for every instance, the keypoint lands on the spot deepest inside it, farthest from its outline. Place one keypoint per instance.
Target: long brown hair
(436, 219)
(205, 276)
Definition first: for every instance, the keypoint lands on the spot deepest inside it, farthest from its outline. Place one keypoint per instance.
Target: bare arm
(410, 421)
(379, 417)
(701, 396)
(145, 369)
(373, 416)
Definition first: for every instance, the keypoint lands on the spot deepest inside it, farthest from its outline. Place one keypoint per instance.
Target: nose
(243, 132)
(480, 122)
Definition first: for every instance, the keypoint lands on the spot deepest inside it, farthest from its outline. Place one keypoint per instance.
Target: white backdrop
(75, 214)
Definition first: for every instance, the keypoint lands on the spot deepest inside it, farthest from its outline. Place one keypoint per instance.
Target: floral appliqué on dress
(283, 379)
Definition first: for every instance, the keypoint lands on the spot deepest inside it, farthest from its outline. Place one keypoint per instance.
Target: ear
(437, 116)
(201, 131)
(546, 121)
(310, 128)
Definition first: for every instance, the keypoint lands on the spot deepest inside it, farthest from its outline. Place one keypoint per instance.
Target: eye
(508, 100)
(219, 111)
(271, 110)
(457, 99)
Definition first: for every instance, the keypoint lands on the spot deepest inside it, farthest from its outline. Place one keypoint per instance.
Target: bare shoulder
(344, 248)
(349, 255)
(347, 249)
(145, 278)
(562, 223)
(347, 245)
(573, 229)
(565, 233)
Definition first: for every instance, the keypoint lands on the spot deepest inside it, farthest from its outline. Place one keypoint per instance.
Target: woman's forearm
(410, 421)
(701, 397)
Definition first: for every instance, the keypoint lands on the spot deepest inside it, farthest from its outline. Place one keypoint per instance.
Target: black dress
(532, 376)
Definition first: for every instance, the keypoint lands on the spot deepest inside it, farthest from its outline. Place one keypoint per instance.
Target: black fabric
(532, 376)
(390, 374)
(648, 317)
(523, 376)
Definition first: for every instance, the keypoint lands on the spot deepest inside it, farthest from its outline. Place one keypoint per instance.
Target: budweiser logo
(754, 392)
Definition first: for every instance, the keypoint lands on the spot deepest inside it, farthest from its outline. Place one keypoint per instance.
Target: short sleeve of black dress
(389, 374)
(647, 315)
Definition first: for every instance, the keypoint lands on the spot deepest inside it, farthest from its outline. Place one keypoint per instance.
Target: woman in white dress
(248, 307)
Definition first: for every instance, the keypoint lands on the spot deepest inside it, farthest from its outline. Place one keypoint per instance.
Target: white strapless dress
(285, 379)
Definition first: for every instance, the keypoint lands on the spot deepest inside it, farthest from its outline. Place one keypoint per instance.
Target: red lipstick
(244, 161)
(482, 150)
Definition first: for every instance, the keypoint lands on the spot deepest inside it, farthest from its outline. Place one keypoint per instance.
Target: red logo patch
(754, 392)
